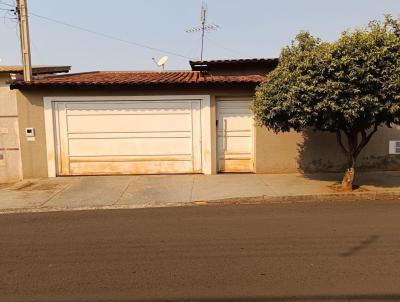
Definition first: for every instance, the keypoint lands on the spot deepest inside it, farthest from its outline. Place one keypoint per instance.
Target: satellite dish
(161, 62)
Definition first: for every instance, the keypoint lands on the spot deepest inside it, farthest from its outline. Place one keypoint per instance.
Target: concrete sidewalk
(103, 192)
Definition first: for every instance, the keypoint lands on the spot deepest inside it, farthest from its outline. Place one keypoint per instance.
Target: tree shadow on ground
(361, 246)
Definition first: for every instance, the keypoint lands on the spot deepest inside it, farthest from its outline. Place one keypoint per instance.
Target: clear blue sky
(249, 28)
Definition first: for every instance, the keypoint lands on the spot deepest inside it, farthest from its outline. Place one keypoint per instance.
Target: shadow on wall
(319, 153)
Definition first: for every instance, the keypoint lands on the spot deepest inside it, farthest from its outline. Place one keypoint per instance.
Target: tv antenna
(204, 27)
(161, 62)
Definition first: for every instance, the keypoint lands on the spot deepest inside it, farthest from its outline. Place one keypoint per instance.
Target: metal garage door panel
(129, 137)
(235, 136)
(130, 167)
(125, 107)
(130, 123)
(150, 146)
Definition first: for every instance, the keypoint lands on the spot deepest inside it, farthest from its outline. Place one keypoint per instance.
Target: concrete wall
(31, 114)
(239, 70)
(10, 157)
(311, 152)
(275, 153)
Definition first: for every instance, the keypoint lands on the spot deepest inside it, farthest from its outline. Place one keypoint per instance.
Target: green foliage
(350, 85)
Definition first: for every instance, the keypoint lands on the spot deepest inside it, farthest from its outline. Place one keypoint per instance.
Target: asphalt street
(326, 251)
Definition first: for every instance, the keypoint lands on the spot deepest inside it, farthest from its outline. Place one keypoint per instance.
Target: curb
(389, 195)
(76, 209)
(359, 196)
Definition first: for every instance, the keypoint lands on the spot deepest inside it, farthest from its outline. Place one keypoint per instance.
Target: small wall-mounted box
(30, 132)
(394, 147)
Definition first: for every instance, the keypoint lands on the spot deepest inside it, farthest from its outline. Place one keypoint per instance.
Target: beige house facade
(10, 156)
(10, 152)
(196, 121)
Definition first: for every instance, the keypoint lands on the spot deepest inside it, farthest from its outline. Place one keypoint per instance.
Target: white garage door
(128, 137)
(235, 136)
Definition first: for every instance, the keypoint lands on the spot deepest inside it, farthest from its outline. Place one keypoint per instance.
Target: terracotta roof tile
(111, 78)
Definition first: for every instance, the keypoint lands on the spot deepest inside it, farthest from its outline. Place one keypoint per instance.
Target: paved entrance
(174, 190)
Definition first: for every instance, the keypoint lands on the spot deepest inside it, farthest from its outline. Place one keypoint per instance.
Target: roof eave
(39, 70)
(203, 84)
(51, 70)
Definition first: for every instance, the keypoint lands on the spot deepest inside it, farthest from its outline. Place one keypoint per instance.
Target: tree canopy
(350, 86)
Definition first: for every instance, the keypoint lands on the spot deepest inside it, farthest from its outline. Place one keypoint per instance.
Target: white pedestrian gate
(235, 136)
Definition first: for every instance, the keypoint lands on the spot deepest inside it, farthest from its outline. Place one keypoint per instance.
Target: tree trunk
(354, 147)
(350, 152)
(348, 178)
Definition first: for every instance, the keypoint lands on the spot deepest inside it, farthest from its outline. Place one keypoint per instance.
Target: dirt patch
(5, 186)
(337, 188)
(46, 187)
(21, 185)
(37, 186)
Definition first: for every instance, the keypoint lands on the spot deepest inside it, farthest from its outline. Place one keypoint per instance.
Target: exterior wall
(311, 152)
(10, 157)
(240, 70)
(249, 68)
(274, 153)
(31, 114)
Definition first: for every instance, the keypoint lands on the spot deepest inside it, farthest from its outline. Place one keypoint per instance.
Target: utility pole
(22, 11)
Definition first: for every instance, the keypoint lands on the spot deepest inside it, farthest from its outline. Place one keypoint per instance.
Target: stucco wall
(275, 153)
(31, 114)
(311, 152)
(10, 163)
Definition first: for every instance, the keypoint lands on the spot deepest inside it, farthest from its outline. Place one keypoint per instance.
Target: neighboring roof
(138, 78)
(256, 61)
(37, 69)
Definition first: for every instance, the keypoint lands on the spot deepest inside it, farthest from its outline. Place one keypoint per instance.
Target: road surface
(328, 251)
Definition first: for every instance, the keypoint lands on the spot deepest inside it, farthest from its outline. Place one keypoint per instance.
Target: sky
(248, 29)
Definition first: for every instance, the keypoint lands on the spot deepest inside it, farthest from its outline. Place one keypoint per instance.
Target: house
(10, 156)
(194, 121)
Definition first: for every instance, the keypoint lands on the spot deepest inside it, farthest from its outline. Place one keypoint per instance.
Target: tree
(349, 87)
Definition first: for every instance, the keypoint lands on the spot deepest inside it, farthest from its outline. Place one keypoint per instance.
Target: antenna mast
(203, 27)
